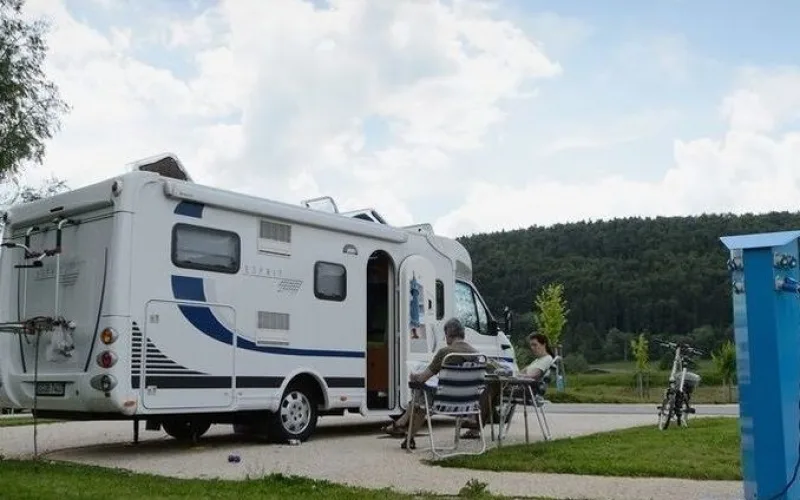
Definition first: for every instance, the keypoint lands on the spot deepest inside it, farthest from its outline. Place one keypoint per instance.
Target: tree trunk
(639, 385)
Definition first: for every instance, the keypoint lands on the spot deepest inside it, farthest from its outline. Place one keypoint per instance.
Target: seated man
(454, 336)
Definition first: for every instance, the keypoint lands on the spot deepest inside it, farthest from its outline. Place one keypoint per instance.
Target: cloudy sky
(471, 115)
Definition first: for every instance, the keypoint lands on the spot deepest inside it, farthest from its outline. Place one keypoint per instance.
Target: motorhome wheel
(297, 414)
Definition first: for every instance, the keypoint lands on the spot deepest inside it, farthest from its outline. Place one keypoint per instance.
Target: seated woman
(543, 359)
(543, 356)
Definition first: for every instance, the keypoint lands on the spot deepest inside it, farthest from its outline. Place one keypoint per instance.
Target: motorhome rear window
(330, 281)
(204, 248)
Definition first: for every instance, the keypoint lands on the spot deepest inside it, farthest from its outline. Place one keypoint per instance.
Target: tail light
(106, 359)
(108, 336)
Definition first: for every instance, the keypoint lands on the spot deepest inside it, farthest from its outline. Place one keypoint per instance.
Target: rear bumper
(79, 395)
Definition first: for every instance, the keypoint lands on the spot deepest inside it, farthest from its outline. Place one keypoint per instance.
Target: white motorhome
(150, 297)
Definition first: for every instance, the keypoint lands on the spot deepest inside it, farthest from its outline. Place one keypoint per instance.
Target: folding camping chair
(462, 381)
(535, 397)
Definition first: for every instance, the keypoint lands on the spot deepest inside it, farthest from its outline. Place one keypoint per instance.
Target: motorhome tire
(186, 429)
(296, 418)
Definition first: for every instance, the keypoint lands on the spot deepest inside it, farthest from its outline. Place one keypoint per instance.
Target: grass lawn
(708, 449)
(28, 480)
(15, 421)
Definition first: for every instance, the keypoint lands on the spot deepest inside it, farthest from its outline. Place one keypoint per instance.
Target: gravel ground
(370, 459)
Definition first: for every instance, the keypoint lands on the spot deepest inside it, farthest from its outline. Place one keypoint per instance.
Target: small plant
(575, 363)
(641, 353)
(474, 489)
(551, 312)
(725, 365)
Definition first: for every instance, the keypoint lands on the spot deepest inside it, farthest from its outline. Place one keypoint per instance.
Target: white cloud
(621, 130)
(748, 170)
(284, 102)
(764, 99)
(278, 98)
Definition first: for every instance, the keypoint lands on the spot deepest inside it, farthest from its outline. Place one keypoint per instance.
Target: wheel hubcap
(295, 412)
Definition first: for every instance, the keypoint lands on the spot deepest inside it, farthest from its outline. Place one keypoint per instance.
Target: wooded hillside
(665, 275)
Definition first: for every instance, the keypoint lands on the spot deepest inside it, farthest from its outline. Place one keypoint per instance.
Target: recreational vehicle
(153, 298)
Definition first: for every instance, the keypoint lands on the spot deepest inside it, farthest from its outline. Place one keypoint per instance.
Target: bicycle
(682, 384)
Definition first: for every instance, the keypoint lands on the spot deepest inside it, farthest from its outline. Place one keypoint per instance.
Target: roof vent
(323, 204)
(368, 215)
(165, 164)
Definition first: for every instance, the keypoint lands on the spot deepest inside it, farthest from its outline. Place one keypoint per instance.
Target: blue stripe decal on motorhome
(188, 288)
(251, 346)
(202, 318)
(190, 209)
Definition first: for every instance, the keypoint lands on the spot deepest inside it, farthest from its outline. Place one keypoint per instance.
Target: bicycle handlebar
(674, 345)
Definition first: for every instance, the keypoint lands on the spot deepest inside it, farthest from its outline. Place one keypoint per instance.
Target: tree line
(663, 276)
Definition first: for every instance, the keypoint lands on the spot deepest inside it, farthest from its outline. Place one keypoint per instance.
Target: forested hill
(665, 275)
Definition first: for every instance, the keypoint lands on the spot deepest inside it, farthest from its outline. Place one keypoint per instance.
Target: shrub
(575, 363)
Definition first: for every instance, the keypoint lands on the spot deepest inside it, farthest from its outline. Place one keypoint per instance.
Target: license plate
(50, 389)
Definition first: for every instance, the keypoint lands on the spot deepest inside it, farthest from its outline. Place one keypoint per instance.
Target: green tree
(30, 104)
(551, 312)
(48, 188)
(641, 353)
(25, 194)
(725, 365)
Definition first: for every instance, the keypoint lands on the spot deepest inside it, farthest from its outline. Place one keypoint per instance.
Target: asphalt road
(613, 409)
(637, 409)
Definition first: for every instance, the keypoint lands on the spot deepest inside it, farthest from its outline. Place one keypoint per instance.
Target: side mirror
(492, 327)
(507, 320)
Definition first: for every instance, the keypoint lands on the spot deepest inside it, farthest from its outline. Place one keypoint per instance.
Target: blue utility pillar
(766, 319)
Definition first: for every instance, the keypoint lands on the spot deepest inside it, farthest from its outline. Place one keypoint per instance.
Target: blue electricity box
(765, 289)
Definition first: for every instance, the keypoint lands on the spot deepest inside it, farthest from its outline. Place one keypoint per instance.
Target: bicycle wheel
(680, 415)
(683, 416)
(666, 410)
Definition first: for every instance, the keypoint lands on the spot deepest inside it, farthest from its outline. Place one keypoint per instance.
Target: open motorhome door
(417, 319)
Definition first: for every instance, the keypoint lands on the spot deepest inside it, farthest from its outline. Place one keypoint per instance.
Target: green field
(708, 449)
(616, 383)
(703, 365)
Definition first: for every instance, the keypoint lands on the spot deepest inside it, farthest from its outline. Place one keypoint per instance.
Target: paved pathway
(351, 450)
(640, 409)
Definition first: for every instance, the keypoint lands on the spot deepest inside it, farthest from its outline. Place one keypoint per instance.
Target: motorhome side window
(439, 299)
(204, 248)
(330, 281)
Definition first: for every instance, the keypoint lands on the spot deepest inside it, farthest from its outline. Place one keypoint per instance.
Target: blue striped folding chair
(462, 380)
(535, 398)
